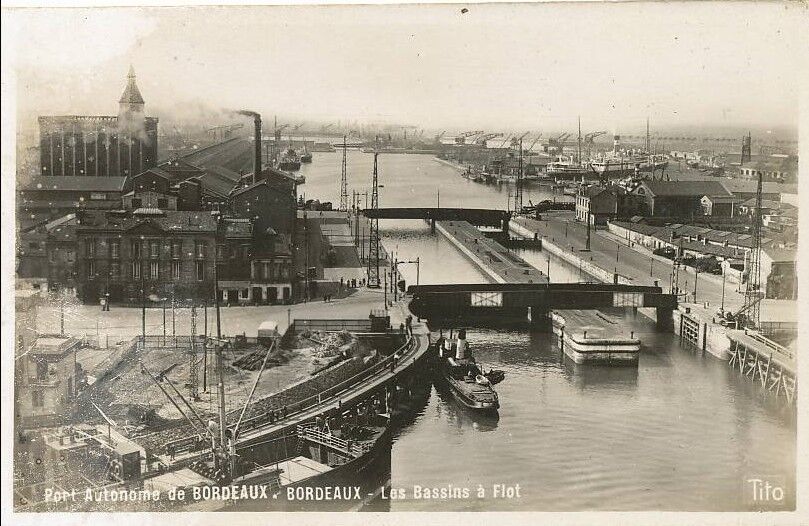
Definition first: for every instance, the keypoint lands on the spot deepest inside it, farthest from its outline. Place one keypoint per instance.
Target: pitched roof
(131, 94)
(170, 221)
(75, 183)
(749, 187)
(685, 188)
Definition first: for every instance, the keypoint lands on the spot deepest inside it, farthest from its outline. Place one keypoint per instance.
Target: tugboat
(289, 161)
(466, 380)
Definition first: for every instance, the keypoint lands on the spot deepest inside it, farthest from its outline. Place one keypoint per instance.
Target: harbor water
(682, 431)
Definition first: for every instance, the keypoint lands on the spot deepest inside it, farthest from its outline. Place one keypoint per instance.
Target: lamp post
(722, 307)
(651, 265)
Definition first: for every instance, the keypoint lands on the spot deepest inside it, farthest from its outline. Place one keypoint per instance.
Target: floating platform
(587, 336)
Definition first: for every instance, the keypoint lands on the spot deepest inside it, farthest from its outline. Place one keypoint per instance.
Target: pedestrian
(401, 328)
(324, 298)
(103, 303)
(107, 301)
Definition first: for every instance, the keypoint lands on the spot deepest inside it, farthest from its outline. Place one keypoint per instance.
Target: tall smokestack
(257, 162)
(257, 121)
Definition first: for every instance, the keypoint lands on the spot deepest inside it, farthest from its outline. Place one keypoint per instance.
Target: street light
(651, 266)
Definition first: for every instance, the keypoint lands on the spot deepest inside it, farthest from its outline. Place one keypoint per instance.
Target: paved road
(125, 322)
(614, 255)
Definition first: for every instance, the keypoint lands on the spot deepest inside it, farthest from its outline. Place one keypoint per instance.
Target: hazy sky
(496, 66)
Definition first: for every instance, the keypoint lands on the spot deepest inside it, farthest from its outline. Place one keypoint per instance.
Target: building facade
(50, 377)
(100, 146)
(146, 256)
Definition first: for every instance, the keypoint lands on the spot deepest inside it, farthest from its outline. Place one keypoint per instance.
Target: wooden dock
(759, 358)
(588, 336)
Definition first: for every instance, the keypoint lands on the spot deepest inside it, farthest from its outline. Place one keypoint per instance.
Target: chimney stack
(257, 163)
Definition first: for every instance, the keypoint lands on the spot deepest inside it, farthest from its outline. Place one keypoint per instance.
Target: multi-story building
(146, 255)
(100, 146)
(50, 377)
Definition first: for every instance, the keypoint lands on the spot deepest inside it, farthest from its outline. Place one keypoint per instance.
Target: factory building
(100, 146)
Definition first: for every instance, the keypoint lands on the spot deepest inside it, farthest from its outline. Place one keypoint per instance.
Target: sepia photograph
(460, 257)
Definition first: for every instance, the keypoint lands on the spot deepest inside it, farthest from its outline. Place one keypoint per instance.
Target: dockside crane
(589, 140)
(461, 137)
(439, 136)
(516, 140)
(481, 141)
(533, 144)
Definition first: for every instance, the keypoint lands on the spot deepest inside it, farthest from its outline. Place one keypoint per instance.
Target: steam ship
(623, 163)
(290, 161)
(467, 381)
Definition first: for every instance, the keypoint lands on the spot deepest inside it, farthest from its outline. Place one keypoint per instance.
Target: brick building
(100, 146)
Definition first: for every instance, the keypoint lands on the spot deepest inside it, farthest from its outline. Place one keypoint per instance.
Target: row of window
(267, 271)
(145, 249)
(153, 270)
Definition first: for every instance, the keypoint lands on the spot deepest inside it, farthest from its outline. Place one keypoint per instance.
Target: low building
(778, 273)
(777, 168)
(50, 378)
(675, 199)
(599, 204)
(719, 205)
(47, 197)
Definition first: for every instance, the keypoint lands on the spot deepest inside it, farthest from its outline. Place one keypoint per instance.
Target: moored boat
(467, 382)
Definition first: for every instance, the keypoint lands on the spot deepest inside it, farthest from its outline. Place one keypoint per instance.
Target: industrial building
(100, 146)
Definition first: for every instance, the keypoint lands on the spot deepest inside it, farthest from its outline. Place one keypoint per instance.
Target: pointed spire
(131, 94)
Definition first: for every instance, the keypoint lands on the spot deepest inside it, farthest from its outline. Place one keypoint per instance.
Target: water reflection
(462, 417)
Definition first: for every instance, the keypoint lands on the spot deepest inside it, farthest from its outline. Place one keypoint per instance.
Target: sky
(503, 66)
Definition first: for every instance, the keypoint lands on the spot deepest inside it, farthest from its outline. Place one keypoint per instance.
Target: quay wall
(701, 333)
(469, 254)
(575, 260)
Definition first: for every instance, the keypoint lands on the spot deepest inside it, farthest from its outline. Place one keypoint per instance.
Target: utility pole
(373, 240)
(344, 181)
(142, 306)
(587, 245)
(193, 369)
(752, 295)
(205, 350)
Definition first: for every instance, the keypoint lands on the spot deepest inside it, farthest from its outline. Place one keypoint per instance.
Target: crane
(516, 140)
(504, 141)
(439, 136)
(481, 141)
(461, 138)
(531, 148)
(325, 127)
(557, 143)
(590, 138)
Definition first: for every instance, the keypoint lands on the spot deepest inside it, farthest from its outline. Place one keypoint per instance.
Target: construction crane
(223, 131)
(461, 137)
(481, 141)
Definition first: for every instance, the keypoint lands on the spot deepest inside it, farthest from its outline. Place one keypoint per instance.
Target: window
(200, 270)
(245, 293)
(91, 269)
(154, 270)
(176, 249)
(220, 252)
(37, 398)
(91, 247)
(115, 270)
(115, 249)
(199, 249)
(97, 196)
(175, 270)
(42, 370)
(135, 250)
(136, 270)
(154, 249)
(267, 273)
